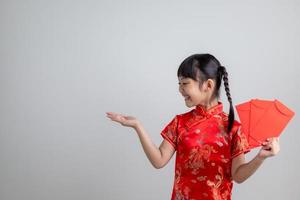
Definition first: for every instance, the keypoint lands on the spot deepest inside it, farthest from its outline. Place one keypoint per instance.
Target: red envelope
(244, 112)
(258, 108)
(262, 119)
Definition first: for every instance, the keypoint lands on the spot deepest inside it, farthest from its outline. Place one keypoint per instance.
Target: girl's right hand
(128, 121)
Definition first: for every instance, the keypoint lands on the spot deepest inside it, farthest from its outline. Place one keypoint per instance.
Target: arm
(158, 157)
(241, 170)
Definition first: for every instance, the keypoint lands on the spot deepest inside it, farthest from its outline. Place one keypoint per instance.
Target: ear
(210, 84)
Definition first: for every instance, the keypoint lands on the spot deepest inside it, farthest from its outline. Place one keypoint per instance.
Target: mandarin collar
(201, 110)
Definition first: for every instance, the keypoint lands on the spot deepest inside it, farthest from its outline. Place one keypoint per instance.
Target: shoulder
(236, 124)
(186, 115)
(182, 117)
(224, 115)
(236, 129)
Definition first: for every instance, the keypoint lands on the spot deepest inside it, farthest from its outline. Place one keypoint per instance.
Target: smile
(186, 97)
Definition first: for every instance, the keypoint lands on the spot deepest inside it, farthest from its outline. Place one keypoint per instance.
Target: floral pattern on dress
(204, 153)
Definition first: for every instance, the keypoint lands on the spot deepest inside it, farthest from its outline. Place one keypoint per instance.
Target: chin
(189, 105)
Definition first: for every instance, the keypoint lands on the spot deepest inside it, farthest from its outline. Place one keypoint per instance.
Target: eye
(182, 83)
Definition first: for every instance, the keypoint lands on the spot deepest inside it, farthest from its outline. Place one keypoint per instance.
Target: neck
(210, 104)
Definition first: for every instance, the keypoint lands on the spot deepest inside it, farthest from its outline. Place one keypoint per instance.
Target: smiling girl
(209, 144)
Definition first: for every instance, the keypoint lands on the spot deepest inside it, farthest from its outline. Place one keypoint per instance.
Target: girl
(209, 143)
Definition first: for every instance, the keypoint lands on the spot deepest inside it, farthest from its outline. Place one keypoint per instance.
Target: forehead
(181, 78)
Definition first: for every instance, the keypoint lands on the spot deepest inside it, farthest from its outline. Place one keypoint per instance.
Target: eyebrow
(183, 79)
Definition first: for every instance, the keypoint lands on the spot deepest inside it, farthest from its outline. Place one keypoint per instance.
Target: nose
(180, 89)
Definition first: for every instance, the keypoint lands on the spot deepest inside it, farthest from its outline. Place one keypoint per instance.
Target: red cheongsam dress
(204, 153)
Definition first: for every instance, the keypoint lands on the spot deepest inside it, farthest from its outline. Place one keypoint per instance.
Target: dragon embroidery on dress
(241, 142)
(181, 190)
(215, 185)
(198, 156)
(204, 154)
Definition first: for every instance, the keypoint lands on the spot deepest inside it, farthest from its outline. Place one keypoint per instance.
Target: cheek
(188, 91)
(195, 93)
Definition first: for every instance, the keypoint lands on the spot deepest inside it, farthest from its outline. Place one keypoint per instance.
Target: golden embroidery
(218, 194)
(197, 157)
(201, 178)
(203, 159)
(240, 142)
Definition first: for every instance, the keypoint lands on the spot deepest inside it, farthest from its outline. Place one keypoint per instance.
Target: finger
(266, 142)
(111, 116)
(111, 113)
(269, 140)
(115, 115)
(274, 142)
(266, 145)
(275, 139)
(266, 148)
(117, 120)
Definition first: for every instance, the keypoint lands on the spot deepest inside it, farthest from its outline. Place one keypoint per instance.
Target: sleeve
(170, 132)
(239, 143)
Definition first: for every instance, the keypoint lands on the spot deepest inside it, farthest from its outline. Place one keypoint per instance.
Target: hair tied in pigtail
(221, 70)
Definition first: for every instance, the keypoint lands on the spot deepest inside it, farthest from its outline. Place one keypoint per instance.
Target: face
(192, 92)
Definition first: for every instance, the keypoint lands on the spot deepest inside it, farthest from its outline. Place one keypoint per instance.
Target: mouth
(186, 98)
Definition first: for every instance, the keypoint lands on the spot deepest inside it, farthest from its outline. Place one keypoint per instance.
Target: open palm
(122, 119)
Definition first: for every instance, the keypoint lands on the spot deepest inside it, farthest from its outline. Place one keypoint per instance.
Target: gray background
(65, 63)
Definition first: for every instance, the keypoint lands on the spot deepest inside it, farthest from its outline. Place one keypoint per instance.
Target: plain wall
(63, 64)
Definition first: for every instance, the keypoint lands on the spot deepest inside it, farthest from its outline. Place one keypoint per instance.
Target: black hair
(201, 67)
